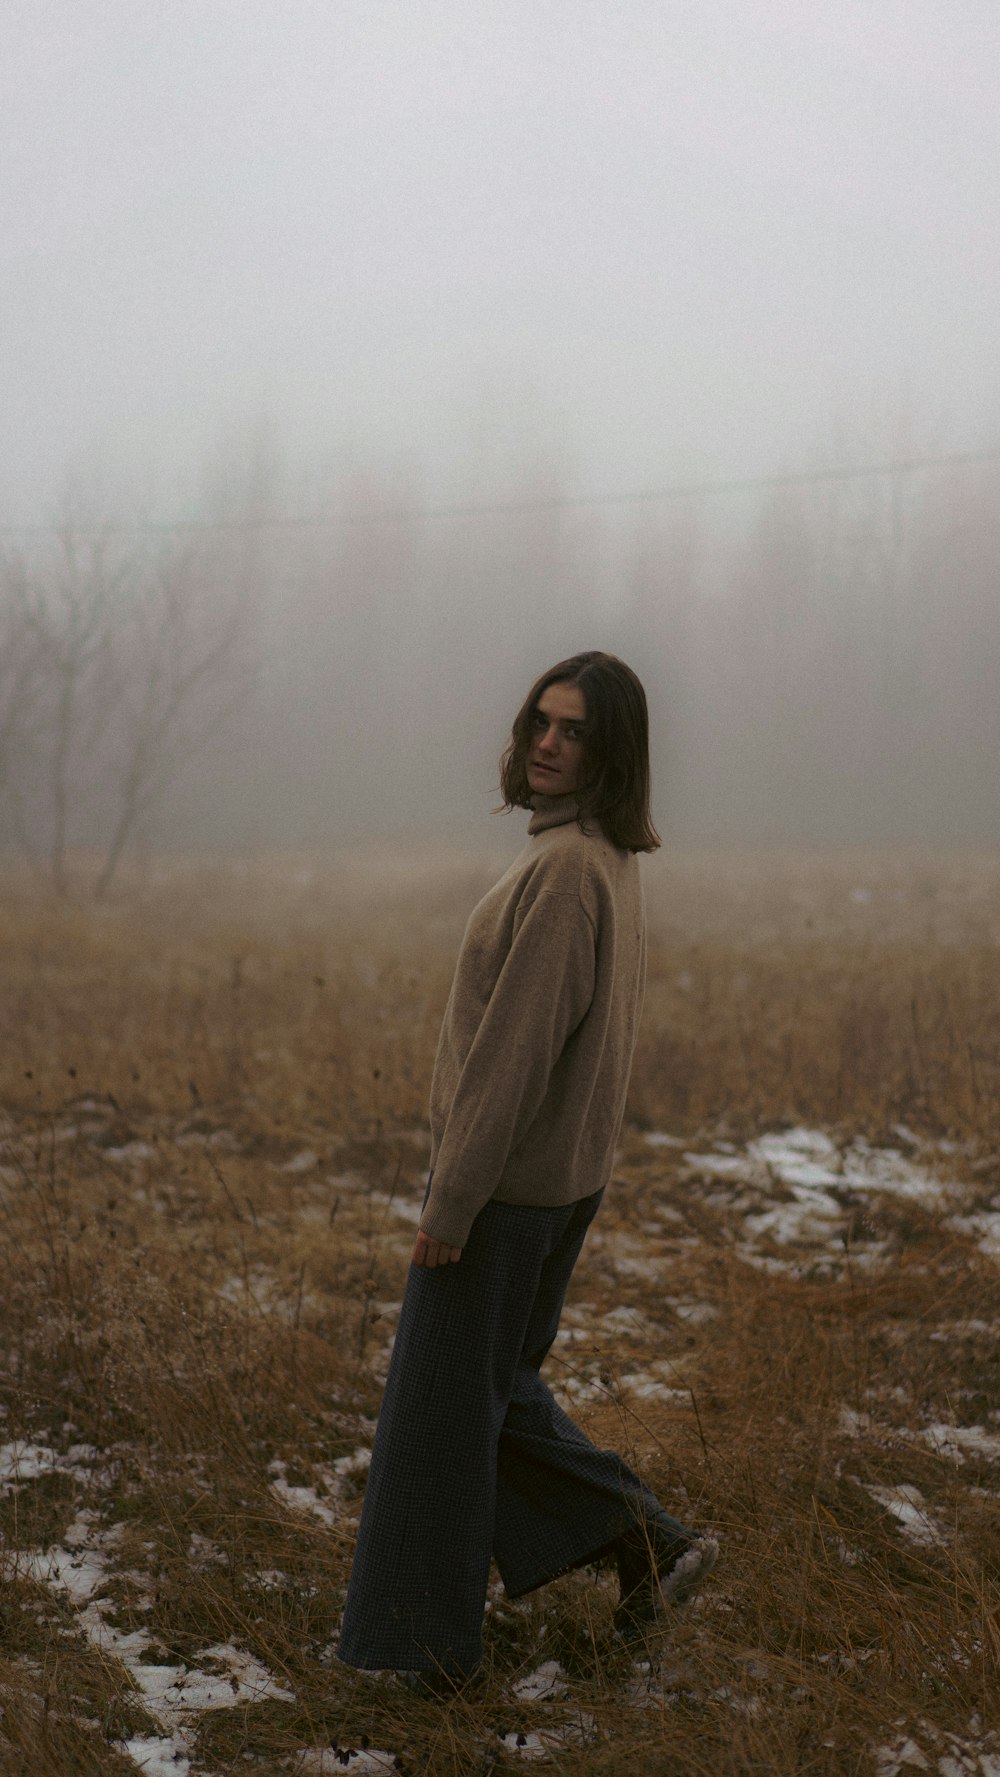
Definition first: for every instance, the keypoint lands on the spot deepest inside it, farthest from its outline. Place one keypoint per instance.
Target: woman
(472, 1455)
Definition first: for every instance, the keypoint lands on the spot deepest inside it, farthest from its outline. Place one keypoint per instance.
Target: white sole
(687, 1574)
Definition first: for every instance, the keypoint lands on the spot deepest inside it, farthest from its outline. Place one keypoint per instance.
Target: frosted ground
(794, 1202)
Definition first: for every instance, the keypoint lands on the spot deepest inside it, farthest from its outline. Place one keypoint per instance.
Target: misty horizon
(678, 245)
(266, 265)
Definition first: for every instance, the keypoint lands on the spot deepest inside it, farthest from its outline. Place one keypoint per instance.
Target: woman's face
(555, 760)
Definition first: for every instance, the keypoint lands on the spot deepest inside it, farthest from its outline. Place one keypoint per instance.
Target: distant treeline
(822, 665)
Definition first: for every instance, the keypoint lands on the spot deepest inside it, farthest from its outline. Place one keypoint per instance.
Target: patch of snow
(205, 1554)
(131, 1151)
(954, 1441)
(655, 1138)
(904, 1754)
(578, 1390)
(803, 1221)
(224, 1138)
(580, 1314)
(765, 1261)
(798, 1157)
(906, 1135)
(539, 1743)
(871, 1256)
(650, 1388)
(21, 1461)
(259, 1282)
(856, 1424)
(357, 1463)
(659, 1686)
(305, 1499)
(174, 1693)
(629, 1321)
(344, 1181)
(973, 1754)
(548, 1680)
(307, 1161)
(818, 1178)
(959, 1441)
(271, 1579)
(157, 1757)
(663, 1212)
(527, 1746)
(885, 1169)
(627, 1255)
(242, 1680)
(79, 1566)
(732, 1166)
(906, 1504)
(79, 1574)
(984, 1229)
(212, 1138)
(784, 1142)
(410, 1209)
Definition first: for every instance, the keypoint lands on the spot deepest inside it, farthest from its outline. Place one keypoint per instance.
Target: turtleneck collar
(552, 811)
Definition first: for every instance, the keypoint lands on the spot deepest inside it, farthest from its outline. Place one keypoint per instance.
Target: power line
(681, 490)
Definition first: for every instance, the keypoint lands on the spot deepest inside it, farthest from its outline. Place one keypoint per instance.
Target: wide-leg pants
(472, 1454)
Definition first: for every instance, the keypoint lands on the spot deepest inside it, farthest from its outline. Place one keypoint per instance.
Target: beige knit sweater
(536, 1047)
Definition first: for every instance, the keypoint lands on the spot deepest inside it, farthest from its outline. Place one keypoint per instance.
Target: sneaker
(657, 1571)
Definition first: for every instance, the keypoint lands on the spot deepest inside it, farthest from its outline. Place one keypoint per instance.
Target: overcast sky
(665, 239)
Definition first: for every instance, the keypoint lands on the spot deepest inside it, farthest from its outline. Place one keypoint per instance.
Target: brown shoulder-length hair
(615, 786)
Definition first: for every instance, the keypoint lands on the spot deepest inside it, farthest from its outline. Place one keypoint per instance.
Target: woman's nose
(549, 739)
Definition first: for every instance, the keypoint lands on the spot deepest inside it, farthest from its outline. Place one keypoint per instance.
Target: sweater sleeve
(542, 993)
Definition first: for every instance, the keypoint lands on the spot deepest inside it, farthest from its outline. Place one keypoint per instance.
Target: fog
(338, 340)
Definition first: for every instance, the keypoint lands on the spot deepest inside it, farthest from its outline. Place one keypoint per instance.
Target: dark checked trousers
(472, 1455)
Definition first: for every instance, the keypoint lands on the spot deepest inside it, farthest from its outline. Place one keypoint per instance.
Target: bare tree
(178, 668)
(72, 610)
(20, 668)
(123, 658)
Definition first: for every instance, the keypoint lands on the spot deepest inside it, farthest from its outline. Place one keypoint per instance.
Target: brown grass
(196, 1314)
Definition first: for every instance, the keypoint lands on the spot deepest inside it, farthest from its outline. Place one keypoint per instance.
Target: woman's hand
(434, 1252)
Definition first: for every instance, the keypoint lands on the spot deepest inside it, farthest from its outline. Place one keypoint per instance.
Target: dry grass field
(213, 1149)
